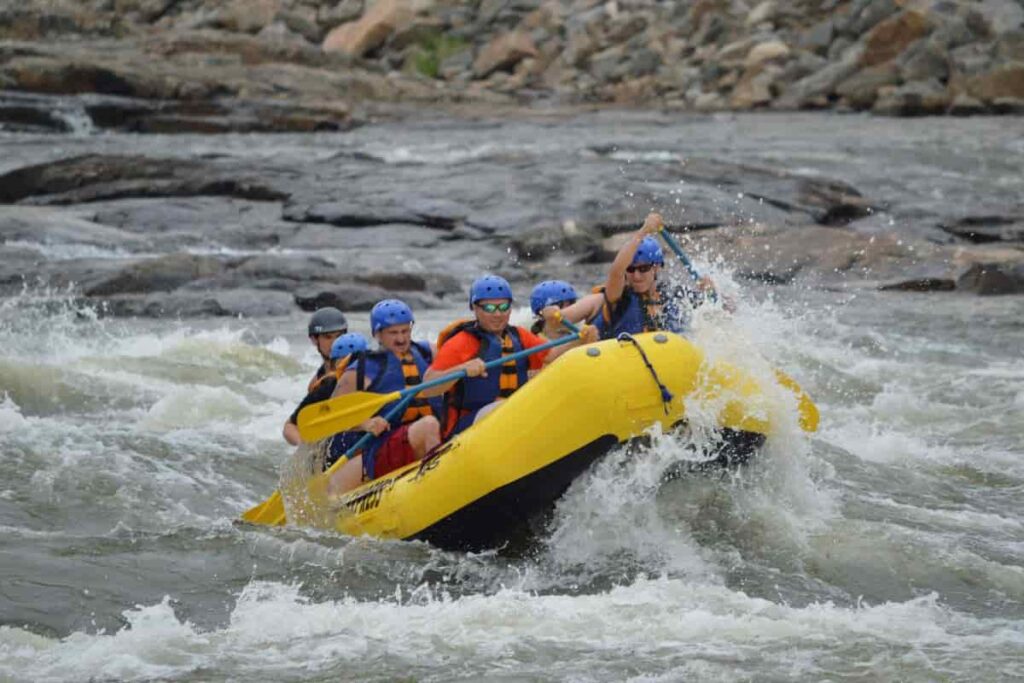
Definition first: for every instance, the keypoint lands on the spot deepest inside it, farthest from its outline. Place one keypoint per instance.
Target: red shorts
(396, 452)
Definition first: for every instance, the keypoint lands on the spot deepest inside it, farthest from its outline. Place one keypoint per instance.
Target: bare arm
(616, 282)
(584, 308)
(291, 433)
(346, 385)
(588, 335)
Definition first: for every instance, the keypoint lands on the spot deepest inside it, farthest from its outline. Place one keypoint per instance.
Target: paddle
(320, 420)
(674, 246)
(808, 411)
(271, 512)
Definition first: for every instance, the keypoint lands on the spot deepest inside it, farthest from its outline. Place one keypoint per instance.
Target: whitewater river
(887, 546)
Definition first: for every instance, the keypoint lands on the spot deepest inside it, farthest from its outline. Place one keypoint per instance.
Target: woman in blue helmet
(399, 363)
(632, 300)
(470, 344)
(342, 351)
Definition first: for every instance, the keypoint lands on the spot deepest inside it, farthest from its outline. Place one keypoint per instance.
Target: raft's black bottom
(505, 514)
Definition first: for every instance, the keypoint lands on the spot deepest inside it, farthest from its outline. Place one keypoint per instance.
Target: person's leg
(424, 435)
(346, 477)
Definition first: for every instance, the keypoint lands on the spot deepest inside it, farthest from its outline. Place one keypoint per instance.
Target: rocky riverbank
(302, 65)
(261, 224)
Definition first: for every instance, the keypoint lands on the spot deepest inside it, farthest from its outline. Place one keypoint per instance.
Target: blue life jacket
(469, 395)
(387, 375)
(633, 314)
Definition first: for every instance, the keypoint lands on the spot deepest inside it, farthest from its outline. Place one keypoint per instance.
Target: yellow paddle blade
(341, 413)
(270, 512)
(808, 411)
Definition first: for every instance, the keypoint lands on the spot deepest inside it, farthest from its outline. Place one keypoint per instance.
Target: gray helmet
(327, 319)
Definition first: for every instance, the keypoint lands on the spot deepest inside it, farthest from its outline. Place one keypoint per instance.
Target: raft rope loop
(666, 395)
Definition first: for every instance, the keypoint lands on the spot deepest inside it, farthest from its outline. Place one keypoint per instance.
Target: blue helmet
(347, 344)
(387, 313)
(649, 251)
(489, 287)
(551, 292)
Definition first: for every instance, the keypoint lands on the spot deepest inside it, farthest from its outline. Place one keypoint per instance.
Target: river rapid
(889, 545)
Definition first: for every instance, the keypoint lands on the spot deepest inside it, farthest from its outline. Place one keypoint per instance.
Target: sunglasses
(495, 308)
(645, 268)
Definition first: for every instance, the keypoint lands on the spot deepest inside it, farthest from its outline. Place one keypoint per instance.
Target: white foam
(656, 624)
(10, 415)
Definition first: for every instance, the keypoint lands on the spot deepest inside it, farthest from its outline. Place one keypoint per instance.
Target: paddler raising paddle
(632, 299)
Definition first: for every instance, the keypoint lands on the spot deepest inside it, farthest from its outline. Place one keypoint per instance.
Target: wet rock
(357, 297)
(818, 37)
(160, 274)
(924, 60)
(1002, 15)
(984, 229)
(94, 177)
(407, 208)
(864, 15)
(921, 98)
(63, 229)
(993, 278)
(1008, 105)
(248, 303)
(861, 89)
(773, 50)
(503, 53)
(213, 222)
(398, 237)
(807, 91)
(565, 239)
(20, 115)
(921, 284)
(1003, 81)
(778, 255)
(438, 284)
(892, 36)
(369, 32)
(965, 105)
(755, 87)
(330, 15)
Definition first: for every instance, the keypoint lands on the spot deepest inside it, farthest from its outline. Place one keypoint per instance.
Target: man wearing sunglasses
(469, 345)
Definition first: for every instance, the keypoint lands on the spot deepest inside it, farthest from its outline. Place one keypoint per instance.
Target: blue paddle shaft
(674, 246)
(365, 440)
(406, 396)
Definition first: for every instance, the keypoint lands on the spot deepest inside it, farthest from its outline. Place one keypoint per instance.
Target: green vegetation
(432, 50)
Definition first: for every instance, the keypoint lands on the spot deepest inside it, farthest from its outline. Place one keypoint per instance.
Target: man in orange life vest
(469, 345)
(399, 363)
(325, 325)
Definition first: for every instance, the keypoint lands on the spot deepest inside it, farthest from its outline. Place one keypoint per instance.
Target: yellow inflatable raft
(486, 484)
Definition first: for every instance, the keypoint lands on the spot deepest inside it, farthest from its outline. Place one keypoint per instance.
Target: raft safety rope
(666, 395)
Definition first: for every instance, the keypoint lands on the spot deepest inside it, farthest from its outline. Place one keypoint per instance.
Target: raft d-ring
(660, 338)
(593, 352)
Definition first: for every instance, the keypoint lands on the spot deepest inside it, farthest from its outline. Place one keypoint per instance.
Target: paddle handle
(366, 438)
(674, 246)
